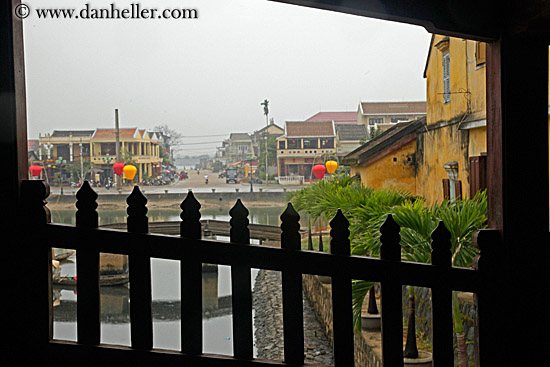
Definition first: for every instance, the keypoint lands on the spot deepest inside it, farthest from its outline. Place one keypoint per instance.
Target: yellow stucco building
(449, 150)
(98, 147)
(388, 160)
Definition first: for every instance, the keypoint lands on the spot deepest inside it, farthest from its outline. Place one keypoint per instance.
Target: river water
(115, 305)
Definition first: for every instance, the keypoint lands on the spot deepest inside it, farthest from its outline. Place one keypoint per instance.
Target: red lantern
(319, 171)
(118, 167)
(35, 170)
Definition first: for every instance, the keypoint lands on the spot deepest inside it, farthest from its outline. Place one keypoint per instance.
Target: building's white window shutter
(446, 77)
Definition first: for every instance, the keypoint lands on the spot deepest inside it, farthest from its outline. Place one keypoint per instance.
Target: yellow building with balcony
(97, 149)
(304, 144)
(136, 146)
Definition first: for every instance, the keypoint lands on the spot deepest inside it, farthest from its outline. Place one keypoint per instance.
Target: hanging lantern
(35, 170)
(331, 166)
(319, 171)
(118, 167)
(129, 171)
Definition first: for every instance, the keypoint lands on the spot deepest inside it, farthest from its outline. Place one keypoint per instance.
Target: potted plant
(370, 321)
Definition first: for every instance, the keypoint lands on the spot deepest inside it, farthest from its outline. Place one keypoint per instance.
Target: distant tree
(170, 138)
(271, 153)
(166, 159)
(375, 132)
(74, 169)
(127, 157)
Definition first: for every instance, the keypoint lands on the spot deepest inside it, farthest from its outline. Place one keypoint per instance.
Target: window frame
(446, 77)
(327, 143)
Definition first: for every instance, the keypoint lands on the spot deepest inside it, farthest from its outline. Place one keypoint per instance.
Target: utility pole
(81, 163)
(117, 148)
(265, 103)
(266, 174)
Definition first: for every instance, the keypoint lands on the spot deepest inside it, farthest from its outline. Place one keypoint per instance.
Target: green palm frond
(359, 289)
(367, 208)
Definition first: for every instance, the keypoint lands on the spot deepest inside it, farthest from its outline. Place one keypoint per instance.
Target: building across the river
(66, 153)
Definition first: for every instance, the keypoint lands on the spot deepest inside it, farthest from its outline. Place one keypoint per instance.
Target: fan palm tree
(417, 222)
(366, 209)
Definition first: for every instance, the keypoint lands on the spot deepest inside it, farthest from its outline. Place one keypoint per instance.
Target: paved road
(194, 182)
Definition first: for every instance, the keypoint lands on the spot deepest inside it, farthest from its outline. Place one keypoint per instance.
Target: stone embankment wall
(366, 344)
(423, 320)
(368, 350)
(268, 323)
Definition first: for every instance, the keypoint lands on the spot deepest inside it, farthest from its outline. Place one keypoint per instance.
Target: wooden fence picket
(293, 309)
(87, 270)
(342, 313)
(390, 290)
(442, 317)
(241, 287)
(141, 321)
(191, 278)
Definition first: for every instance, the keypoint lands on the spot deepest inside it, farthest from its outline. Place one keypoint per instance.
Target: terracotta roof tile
(384, 140)
(74, 133)
(239, 136)
(125, 133)
(309, 128)
(33, 144)
(389, 108)
(337, 117)
(351, 132)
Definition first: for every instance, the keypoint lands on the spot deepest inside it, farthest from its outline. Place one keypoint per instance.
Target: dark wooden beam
(460, 18)
(13, 117)
(517, 154)
(13, 145)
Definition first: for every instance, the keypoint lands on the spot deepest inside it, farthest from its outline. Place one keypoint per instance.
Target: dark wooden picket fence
(192, 251)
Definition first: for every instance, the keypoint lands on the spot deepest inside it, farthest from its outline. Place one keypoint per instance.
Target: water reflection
(166, 293)
(262, 215)
(166, 309)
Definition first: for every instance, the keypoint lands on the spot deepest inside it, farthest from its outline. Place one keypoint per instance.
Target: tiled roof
(124, 133)
(268, 126)
(77, 133)
(309, 128)
(351, 132)
(337, 117)
(33, 144)
(388, 138)
(239, 136)
(390, 108)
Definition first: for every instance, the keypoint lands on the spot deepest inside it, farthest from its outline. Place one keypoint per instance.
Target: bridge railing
(291, 180)
(89, 241)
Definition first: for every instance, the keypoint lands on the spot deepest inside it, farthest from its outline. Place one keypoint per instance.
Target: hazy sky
(208, 76)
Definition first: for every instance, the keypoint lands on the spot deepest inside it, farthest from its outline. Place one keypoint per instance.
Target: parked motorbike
(109, 184)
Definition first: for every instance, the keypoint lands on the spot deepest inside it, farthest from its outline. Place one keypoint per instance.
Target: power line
(203, 142)
(201, 149)
(202, 136)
